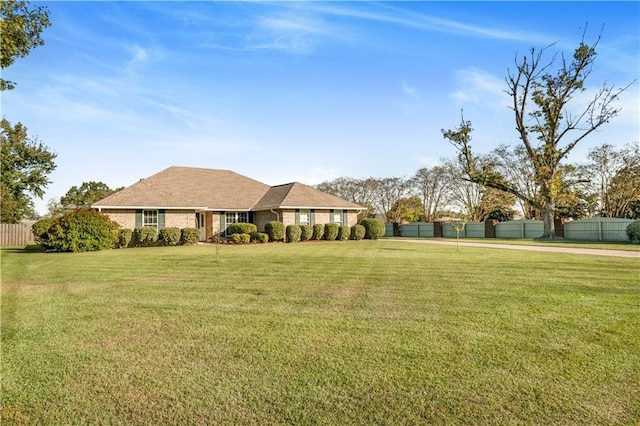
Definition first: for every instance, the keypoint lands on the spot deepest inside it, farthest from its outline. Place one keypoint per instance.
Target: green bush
(41, 231)
(306, 232)
(357, 232)
(374, 228)
(275, 230)
(170, 236)
(83, 230)
(189, 236)
(124, 237)
(259, 237)
(293, 233)
(633, 232)
(343, 233)
(330, 231)
(318, 231)
(145, 236)
(240, 238)
(242, 228)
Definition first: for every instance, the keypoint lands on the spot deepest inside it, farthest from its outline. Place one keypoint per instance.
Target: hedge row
(87, 230)
(276, 231)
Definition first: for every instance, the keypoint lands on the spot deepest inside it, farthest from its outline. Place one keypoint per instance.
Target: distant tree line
(608, 184)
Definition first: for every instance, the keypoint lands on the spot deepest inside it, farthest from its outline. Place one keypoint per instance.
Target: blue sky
(292, 91)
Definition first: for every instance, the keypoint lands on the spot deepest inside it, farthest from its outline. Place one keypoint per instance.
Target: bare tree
(547, 127)
(432, 185)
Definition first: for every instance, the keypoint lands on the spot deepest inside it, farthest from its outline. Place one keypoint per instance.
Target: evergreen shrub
(633, 232)
(374, 228)
(358, 232)
(331, 231)
(242, 228)
(41, 231)
(344, 231)
(240, 238)
(275, 229)
(83, 230)
(306, 232)
(189, 236)
(145, 236)
(259, 237)
(124, 237)
(293, 233)
(318, 231)
(170, 236)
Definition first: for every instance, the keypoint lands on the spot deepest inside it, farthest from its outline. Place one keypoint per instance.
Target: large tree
(25, 165)
(549, 127)
(20, 27)
(85, 195)
(432, 185)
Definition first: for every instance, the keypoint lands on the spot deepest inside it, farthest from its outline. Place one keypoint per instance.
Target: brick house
(211, 200)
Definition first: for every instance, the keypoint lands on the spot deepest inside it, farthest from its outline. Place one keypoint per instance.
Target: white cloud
(475, 86)
(409, 90)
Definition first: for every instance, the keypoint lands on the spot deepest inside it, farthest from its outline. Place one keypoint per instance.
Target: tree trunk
(548, 216)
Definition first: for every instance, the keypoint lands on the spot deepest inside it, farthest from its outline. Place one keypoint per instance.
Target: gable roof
(298, 195)
(209, 189)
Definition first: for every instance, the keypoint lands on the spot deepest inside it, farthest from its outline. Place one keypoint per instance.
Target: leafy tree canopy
(85, 195)
(25, 165)
(20, 27)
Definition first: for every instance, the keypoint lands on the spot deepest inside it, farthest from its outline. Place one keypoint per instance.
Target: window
(337, 217)
(150, 218)
(304, 217)
(236, 217)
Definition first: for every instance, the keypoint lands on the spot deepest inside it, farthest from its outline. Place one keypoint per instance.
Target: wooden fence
(15, 234)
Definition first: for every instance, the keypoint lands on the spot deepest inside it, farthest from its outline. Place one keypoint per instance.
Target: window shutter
(312, 217)
(138, 218)
(160, 219)
(297, 216)
(250, 216)
(223, 224)
(345, 217)
(331, 216)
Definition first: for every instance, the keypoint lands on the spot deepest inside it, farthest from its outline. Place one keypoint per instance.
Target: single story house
(211, 200)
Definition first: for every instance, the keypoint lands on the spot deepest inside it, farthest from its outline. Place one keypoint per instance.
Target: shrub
(306, 232)
(41, 231)
(275, 230)
(145, 236)
(242, 228)
(318, 231)
(633, 232)
(189, 236)
(259, 237)
(124, 237)
(170, 236)
(239, 238)
(293, 233)
(83, 230)
(374, 228)
(343, 232)
(331, 231)
(358, 232)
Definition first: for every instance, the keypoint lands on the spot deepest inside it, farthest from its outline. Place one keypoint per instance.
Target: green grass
(599, 245)
(319, 333)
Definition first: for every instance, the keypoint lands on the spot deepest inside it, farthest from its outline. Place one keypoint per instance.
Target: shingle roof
(298, 195)
(190, 187)
(198, 188)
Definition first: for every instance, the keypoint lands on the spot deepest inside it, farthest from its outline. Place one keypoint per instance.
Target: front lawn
(319, 333)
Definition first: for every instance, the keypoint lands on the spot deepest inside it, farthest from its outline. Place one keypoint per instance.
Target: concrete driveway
(571, 250)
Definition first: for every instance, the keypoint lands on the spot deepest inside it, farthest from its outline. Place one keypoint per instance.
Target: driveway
(571, 250)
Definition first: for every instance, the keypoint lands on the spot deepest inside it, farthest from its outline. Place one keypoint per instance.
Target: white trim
(314, 208)
(146, 208)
